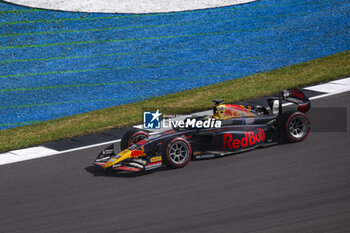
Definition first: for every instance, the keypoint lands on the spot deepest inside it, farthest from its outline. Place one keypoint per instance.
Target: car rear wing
(295, 96)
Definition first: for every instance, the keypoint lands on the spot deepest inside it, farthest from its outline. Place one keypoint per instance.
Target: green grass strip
(312, 72)
(133, 39)
(145, 15)
(127, 67)
(113, 83)
(19, 11)
(126, 54)
(148, 26)
(21, 123)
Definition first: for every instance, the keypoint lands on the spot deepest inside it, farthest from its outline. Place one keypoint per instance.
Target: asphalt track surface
(299, 188)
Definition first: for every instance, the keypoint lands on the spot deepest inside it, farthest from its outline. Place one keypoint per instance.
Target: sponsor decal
(141, 161)
(205, 156)
(136, 165)
(151, 120)
(250, 138)
(103, 159)
(156, 159)
(248, 121)
(106, 152)
(134, 146)
(153, 165)
(153, 137)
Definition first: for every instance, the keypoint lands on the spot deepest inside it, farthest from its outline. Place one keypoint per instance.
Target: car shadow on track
(96, 171)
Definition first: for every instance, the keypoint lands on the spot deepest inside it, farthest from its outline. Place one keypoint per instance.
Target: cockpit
(223, 111)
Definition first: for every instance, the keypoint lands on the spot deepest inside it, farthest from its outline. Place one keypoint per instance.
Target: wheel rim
(179, 152)
(298, 127)
(138, 138)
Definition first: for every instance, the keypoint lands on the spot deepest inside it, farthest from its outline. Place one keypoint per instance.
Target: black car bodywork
(242, 128)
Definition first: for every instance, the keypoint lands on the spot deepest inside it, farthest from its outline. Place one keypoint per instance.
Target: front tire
(294, 126)
(177, 153)
(132, 137)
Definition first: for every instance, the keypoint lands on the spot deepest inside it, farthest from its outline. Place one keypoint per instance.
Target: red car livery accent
(141, 142)
(125, 168)
(297, 93)
(250, 138)
(100, 164)
(304, 108)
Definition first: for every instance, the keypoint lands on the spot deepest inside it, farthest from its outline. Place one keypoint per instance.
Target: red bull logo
(137, 153)
(250, 138)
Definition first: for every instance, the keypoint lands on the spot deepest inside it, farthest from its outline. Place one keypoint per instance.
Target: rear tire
(177, 152)
(293, 126)
(131, 137)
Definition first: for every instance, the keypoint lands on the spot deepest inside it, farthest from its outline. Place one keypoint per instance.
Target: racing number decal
(250, 138)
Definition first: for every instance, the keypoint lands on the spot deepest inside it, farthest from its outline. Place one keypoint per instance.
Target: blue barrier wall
(55, 64)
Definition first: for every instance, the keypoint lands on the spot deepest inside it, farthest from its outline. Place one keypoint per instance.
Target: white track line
(330, 88)
(26, 154)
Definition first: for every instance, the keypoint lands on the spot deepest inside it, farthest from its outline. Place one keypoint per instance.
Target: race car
(241, 128)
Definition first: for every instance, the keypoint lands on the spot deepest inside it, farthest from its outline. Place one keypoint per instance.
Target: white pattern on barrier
(127, 6)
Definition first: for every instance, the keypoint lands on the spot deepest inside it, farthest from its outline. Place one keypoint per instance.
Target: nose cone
(125, 154)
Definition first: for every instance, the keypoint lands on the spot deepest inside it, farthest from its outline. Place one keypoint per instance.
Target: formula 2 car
(241, 128)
